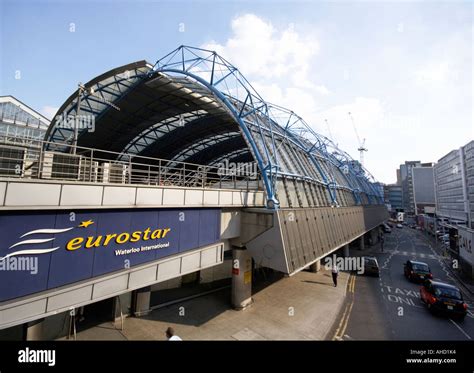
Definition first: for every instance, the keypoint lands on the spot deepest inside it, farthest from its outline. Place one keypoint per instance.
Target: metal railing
(54, 161)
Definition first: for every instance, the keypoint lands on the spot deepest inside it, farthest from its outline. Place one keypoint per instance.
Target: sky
(404, 70)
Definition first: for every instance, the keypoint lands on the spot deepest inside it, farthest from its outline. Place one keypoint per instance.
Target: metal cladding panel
(317, 232)
(267, 248)
(338, 221)
(353, 223)
(332, 227)
(289, 239)
(327, 228)
(300, 242)
(305, 236)
(347, 223)
(313, 242)
(341, 218)
(73, 247)
(322, 231)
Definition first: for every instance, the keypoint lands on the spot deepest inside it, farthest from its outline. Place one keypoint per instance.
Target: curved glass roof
(187, 111)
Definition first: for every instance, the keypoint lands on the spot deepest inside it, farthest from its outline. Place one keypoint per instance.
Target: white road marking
(462, 331)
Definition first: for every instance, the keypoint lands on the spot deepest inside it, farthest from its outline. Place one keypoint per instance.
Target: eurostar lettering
(92, 241)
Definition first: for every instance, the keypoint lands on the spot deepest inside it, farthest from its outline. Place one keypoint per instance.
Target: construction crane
(329, 130)
(361, 147)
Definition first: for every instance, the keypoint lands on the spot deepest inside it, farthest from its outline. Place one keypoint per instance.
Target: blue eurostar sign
(71, 247)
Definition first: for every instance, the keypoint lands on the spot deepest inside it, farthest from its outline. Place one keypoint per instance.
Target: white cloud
(368, 114)
(49, 111)
(436, 73)
(277, 62)
(283, 57)
(259, 50)
(402, 97)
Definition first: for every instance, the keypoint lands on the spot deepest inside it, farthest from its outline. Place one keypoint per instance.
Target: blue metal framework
(264, 125)
(282, 144)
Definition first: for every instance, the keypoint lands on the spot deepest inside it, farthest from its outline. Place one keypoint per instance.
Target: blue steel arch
(184, 65)
(267, 176)
(233, 89)
(262, 124)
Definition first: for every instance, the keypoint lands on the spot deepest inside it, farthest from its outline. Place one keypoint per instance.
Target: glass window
(448, 293)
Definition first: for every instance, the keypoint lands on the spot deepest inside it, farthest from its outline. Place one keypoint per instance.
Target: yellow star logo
(85, 224)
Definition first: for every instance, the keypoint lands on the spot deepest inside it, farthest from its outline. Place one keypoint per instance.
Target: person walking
(335, 273)
(171, 336)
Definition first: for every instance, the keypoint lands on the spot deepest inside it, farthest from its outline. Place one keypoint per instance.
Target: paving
(302, 307)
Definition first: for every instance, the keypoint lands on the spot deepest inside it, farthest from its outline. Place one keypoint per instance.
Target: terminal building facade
(454, 184)
(155, 175)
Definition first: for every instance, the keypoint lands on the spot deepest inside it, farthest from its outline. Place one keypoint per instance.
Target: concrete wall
(42, 194)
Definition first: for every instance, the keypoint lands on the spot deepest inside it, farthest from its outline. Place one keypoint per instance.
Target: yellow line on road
(347, 311)
(353, 284)
(336, 335)
(343, 330)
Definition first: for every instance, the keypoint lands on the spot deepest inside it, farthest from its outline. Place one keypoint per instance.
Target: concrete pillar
(34, 330)
(141, 301)
(361, 242)
(375, 236)
(315, 267)
(345, 251)
(122, 307)
(241, 279)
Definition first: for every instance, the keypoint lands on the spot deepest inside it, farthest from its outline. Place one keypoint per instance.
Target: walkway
(301, 307)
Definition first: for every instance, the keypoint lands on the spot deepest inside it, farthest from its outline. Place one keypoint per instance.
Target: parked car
(371, 266)
(443, 298)
(417, 271)
(386, 228)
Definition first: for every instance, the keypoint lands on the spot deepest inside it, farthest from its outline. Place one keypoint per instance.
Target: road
(389, 307)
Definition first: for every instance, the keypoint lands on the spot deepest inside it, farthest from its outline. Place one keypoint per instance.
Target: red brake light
(430, 275)
(433, 300)
(465, 306)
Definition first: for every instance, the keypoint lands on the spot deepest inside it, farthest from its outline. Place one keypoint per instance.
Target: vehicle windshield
(421, 268)
(448, 293)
